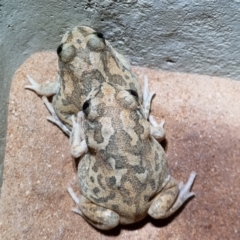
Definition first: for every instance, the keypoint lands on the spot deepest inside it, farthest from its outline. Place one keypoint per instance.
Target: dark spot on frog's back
(100, 183)
(152, 184)
(98, 132)
(126, 137)
(156, 159)
(111, 181)
(117, 79)
(96, 190)
(92, 179)
(139, 129)
(134, 116)
(101, 108)
(157, 167)
(88, 77)
(138, 169)
(95, 168)
(115, 207)
(120, 162)
(111, 196)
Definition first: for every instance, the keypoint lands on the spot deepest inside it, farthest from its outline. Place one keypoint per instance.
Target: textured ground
(203, 134)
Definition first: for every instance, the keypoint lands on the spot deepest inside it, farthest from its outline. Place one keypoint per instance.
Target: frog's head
(111, 100)
(79, 40)
(111, 110)
(84, 47)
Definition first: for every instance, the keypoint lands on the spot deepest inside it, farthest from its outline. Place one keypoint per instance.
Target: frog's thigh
(54, 118)
(64, 110)
(164, 200)
(171, 198)
(98, 216)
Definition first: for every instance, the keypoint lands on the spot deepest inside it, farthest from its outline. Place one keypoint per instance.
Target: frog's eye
(59, 49)
(86, 107)
(128, 99)
(134, 94)
(96, 42)
(66, 52)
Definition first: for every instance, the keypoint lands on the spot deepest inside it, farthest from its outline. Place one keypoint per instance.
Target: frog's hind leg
(54, 118)
(99, 217)
(77, 137)
(171, 198)
(45, 89)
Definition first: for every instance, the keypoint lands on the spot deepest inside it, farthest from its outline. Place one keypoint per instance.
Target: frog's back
(124, 178)
(86, 60)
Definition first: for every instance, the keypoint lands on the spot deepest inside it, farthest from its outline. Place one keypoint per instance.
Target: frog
(123, 173)
(135, 180)
(85, 60)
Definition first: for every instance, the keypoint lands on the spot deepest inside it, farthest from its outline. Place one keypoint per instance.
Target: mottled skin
(123, 173)
(86, 59)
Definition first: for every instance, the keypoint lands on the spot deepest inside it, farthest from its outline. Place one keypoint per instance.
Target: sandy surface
(202, 116)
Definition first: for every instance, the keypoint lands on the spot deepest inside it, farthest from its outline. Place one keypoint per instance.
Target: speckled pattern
(123, 173)
(86, 59)
(202, 125)
(125, 169)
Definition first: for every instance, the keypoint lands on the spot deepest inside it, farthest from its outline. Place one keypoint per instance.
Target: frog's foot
(54, 118)
(157, 129)
(73, 195)
(184, 189)
(147, 97)
(46, 89)
(99, 217)
(77, 136)
(75, 199)
(171, 198)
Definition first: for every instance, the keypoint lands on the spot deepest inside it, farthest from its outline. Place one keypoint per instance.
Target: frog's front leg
(99, 217)
(157, 130)
(171, 198)
(147, 97)
(45, 89)
(77, 136)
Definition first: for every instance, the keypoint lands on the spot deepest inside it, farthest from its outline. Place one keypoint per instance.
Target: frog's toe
(157, 129)
(34, 85)
(185, 192)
